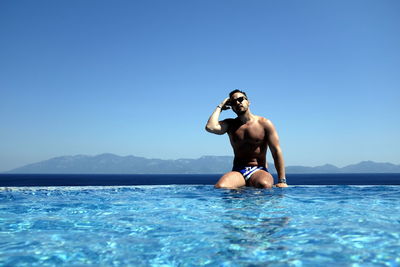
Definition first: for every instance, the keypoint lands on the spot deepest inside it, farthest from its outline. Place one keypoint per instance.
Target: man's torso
(249, 142)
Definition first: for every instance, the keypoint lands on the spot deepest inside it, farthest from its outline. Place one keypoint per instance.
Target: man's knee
(264, 183)
(226, 184)
(230, 180)
(262, 180)
(220, 185)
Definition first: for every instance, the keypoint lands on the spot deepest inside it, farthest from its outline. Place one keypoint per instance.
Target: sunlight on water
(200, 225)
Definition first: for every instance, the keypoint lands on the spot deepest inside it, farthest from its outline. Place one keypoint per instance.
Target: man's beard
(240, 111)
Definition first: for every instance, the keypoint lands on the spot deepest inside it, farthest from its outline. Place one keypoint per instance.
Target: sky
(142, 77)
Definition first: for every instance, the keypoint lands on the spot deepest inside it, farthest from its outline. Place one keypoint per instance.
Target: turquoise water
(199, 225)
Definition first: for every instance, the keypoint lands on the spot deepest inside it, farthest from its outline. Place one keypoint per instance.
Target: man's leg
(231, 180)
(261, 179)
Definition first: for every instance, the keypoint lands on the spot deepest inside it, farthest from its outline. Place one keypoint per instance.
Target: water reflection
(252, 218)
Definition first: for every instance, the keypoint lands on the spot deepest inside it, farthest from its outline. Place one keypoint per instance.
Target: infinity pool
(199, 225)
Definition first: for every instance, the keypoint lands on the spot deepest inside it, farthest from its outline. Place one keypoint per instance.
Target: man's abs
(250, 161)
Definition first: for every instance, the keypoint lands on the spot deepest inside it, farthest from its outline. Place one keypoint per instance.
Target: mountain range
(113, 164)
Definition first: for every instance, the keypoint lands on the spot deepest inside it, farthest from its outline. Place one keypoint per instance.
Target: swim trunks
(248, 171)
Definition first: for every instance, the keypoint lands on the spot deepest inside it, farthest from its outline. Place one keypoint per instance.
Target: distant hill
(114, 164)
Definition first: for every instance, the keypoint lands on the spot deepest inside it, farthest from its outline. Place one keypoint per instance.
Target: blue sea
(167, 179)
(129, 222)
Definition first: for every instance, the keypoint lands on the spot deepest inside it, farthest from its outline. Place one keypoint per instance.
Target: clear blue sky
(142, 77)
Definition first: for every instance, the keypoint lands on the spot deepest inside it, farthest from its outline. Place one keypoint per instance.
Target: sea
(188, 179)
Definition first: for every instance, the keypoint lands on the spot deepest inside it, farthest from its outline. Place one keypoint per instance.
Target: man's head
(236, 91)
(239, 102)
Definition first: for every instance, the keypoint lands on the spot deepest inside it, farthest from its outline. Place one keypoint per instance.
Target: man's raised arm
(213, 124)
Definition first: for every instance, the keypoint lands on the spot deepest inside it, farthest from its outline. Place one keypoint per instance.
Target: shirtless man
(250, 137)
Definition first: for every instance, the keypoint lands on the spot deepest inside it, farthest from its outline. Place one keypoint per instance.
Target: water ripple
(200, 225)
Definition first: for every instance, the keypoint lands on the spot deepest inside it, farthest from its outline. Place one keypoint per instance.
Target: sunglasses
(239, 99)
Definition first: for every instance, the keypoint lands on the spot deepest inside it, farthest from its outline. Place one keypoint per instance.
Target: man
(250, 136)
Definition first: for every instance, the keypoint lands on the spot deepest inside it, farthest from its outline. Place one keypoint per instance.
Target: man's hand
(225, 104)
(281, 185)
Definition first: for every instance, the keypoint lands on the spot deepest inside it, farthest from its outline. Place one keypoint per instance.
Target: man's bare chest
(248, 134)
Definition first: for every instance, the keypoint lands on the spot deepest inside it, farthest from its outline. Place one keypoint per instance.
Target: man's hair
(236, 91)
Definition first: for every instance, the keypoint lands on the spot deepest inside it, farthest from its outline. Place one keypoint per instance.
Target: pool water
(199, 225)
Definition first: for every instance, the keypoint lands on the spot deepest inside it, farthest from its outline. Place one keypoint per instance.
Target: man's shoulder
(263, 119)
(264, 122)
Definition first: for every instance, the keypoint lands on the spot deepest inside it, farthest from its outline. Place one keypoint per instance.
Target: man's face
(239, 103)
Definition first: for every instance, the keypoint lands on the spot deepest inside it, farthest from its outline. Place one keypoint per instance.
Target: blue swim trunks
(248, 171)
